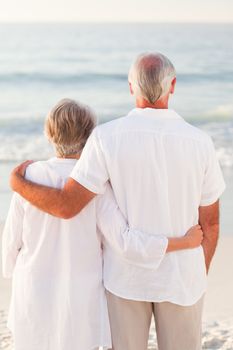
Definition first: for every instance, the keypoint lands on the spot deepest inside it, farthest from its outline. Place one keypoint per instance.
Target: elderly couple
(100, 245)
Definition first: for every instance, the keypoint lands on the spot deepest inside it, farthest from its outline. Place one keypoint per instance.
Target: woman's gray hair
(151, 76)
(68, 126)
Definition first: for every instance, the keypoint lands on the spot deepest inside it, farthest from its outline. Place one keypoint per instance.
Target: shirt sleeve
(213, 185)
(12, 236)
(91, 171)
(136, 247)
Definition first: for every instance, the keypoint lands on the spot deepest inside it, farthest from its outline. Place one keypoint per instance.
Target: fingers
(26, 163)
(194, 229)
(21, 169)
(18, 174)
(197, 226)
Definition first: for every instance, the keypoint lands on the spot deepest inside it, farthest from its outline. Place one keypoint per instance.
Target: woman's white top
(58, 299)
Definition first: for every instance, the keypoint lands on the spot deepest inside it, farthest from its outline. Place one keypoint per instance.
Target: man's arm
(64, 203)
(209, 221)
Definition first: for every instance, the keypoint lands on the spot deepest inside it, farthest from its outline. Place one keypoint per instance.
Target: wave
(15, 122)
(82, 78)
(37, 149)
(220, 77)
(26, 141)
(58, 77)
(16, 148)
(221, 111)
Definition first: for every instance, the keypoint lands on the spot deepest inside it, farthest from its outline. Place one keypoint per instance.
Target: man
(165, 177)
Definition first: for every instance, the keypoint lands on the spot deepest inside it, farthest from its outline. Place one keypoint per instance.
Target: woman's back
(47, 238)
(58, 299)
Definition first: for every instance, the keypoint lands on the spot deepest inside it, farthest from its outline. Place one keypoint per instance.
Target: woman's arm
(192, 239)
(139, 248)
(12, 236)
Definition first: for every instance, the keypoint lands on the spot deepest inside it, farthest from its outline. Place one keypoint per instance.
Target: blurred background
(55, 49)
(41, 63)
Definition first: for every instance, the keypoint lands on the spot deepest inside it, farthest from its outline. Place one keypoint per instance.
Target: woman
(58, 299)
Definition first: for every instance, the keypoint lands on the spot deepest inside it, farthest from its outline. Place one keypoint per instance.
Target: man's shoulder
(108, 131)
(194, 132)
(110, 126)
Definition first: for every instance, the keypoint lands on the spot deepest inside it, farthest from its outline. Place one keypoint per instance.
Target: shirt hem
(106, 346)
(80, 179)
(155, 300)
(214, 198)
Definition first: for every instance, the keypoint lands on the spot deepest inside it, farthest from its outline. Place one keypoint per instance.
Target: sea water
(42, 63)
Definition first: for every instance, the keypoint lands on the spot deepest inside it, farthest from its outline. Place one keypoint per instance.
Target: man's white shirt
(161, 170)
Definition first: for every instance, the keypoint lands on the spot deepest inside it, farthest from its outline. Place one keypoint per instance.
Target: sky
(117, 10)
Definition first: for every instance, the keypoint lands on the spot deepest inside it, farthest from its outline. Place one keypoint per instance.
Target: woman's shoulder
(43, 172)
(36, 169)
(53, 172)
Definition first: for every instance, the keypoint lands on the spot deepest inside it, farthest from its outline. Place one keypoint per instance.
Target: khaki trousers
(177, 327)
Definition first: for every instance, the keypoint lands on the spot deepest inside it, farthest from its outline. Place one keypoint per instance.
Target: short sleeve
(213, 184)
(91, 171)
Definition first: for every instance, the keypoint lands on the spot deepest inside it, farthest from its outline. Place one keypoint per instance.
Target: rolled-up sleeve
(213, 184)
(136, 247)
(12, 236)
(91, 170)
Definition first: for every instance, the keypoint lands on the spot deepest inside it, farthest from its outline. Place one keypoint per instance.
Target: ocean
(42, 63)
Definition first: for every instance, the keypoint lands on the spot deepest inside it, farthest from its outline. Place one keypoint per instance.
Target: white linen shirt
(161, 170)
(58, 298)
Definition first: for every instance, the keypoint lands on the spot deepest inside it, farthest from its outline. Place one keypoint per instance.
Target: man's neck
(160, 104)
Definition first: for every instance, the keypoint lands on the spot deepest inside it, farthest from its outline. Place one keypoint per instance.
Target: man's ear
(173, 85)
(131, 89)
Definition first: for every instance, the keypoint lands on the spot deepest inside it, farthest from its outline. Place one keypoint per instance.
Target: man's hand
(18, 172)
(63, 203)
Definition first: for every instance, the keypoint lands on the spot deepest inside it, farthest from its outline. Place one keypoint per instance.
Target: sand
(218, 312)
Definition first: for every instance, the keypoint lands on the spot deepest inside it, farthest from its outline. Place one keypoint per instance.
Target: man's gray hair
(151, 76)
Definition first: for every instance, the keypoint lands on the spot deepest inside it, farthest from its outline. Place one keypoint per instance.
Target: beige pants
(177, 327)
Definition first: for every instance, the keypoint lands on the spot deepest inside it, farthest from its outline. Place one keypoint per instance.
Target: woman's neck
(69, 156)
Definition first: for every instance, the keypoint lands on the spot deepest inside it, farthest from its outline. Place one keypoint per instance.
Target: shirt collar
(155, 113)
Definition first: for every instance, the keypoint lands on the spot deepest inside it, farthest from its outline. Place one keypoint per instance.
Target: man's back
(161, 170)
(156, 163)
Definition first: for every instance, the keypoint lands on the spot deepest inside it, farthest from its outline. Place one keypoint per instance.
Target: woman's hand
(194, 236)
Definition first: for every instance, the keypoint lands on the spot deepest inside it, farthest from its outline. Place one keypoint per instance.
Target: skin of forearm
(209, 243)
(209, 221)
(177, 243)
(36, 194)
(63, 203)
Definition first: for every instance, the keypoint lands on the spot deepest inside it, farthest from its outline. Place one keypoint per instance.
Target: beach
(90, 63)
(218, 312)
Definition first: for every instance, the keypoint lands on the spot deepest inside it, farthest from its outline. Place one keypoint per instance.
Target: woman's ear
(173, 85)
(131, 89)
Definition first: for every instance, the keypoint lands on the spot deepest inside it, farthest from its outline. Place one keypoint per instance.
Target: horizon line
(51, 21)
